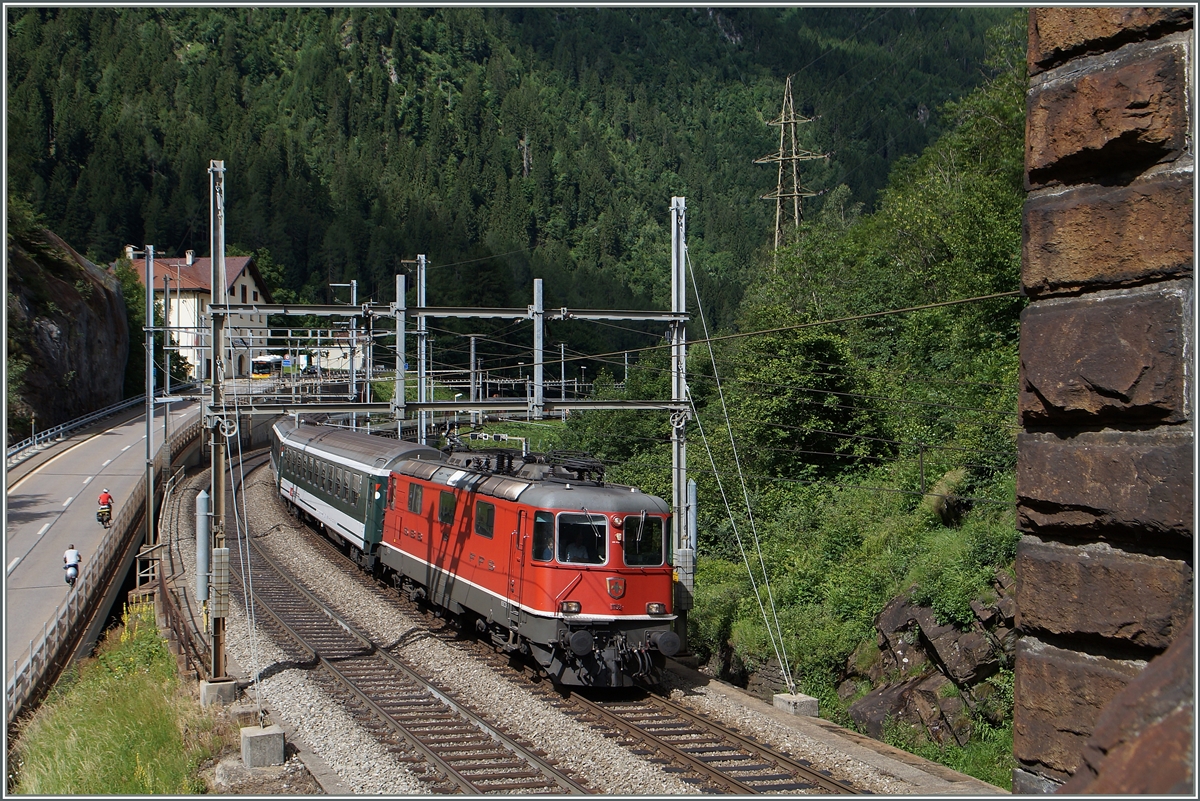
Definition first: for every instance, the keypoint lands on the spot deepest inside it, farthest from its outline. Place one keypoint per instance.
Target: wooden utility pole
(789, 154)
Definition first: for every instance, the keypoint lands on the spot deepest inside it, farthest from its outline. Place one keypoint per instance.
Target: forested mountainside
(548, 139)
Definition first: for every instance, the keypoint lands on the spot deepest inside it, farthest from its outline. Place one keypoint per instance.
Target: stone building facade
(1105, 458)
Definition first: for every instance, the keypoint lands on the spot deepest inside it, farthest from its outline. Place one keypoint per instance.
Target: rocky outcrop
(932, 675)
(68, 335)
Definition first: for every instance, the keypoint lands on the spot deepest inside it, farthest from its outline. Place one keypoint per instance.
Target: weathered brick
(1097, 236)
(1142, 741)
(1094, 481)
(1058, 697)
(1056, 34)
(1121, 112)
(1096, 589)
(1106, 358)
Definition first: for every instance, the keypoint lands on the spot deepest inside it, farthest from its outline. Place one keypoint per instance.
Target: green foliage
(987, 756)
(109, 727)
(544, 141)
(960, 563)
(133, 291)
(720, 588)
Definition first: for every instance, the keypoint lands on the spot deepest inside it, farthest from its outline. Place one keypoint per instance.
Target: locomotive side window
(414, 498)
(485, 518)
(543, 536)
(643, 541)
(446, 505)
(582, 539)
(391, 496)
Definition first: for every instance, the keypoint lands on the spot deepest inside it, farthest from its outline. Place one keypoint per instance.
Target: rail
(46, 661)
(57, 432)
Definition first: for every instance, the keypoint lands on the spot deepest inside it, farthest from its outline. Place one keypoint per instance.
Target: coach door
(516, 569)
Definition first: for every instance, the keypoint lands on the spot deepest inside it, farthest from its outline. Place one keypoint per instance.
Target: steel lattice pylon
(789, 153)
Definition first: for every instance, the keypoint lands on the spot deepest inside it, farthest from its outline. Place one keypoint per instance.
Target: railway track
(714, 756)
(724, 759)
(407, 712)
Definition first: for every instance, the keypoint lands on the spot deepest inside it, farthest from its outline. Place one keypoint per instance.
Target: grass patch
(118, 724)
(987, 756)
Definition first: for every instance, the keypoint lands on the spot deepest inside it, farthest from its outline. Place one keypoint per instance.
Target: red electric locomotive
(545, 556)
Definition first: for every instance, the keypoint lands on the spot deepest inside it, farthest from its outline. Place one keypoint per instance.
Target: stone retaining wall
(1105, 461)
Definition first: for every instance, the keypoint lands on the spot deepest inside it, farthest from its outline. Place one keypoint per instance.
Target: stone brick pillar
(1105, 460)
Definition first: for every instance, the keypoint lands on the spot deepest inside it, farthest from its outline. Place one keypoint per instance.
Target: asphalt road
(53, 505)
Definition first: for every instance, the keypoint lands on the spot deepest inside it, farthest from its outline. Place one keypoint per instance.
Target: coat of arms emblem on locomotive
(616, 587)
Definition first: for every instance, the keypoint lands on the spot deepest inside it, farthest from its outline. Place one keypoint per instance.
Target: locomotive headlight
(569, 607)
(656, 609)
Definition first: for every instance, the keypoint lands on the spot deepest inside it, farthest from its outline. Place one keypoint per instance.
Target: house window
(243, 293)
(256, 296)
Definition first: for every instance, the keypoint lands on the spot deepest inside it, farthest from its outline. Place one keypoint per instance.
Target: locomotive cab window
(446, 506)
(582, 539)
(543, 536)
(643, 540)
(414, 498)
(485, 518)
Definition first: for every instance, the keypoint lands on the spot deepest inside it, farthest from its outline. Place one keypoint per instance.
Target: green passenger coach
(338, 479)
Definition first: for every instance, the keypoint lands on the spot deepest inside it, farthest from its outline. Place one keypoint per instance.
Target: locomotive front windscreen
(582, 539)
(643, 541)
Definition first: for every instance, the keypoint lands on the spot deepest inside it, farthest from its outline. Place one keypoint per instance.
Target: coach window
(414, 498)
(446, 505)
(543, 536)
(643, 540)
(582, 539)
(355, 487)
(485, 517)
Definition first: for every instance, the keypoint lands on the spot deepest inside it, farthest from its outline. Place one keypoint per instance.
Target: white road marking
(13, 564)
(127, 447)
(67, 502)
(86, 480)
(107, 463)
(12, 488)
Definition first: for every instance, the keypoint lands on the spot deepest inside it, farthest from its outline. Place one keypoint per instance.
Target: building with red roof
(188, 282)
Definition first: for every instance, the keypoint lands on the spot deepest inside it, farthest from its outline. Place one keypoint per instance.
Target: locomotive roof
(372, 453)
(537, 484)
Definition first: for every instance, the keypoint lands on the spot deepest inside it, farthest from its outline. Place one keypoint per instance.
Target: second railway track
(723, 759)
(405, 710)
